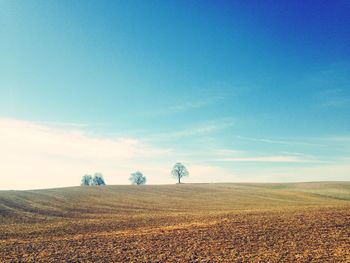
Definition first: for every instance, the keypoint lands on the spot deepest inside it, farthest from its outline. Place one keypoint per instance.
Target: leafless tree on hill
(179, 171)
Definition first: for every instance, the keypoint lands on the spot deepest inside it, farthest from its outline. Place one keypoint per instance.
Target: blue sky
(237, 90)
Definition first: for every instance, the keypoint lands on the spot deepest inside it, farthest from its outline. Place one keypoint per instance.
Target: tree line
(137, 178)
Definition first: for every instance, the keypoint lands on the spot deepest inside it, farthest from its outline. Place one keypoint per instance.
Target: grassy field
(297, 222)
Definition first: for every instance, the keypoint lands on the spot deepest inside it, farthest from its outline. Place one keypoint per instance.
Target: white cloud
(321, 172)
(36, 155)
(208, 173)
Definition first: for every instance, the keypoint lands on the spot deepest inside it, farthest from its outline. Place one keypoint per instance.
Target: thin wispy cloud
(62, 124)
(274, 141)
(329, 86)
(202, 128)
(184, 105)
(225, 152)
(341, 139)
(332, 98)
(270, 159)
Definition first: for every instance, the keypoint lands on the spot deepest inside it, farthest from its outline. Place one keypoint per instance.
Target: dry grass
(178, 223)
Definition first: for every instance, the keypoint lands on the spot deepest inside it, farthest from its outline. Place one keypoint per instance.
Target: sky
(238, 91)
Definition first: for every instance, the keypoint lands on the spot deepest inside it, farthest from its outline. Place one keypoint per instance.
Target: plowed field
(307, 222)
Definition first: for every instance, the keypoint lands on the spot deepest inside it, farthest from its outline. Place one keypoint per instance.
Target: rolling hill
(184, 223)
(89, 202)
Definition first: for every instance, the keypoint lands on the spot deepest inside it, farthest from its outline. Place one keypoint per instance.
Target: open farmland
(299, 222)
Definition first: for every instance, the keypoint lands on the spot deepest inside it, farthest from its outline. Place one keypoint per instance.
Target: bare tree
(137, 178)
(86, 180)
(179, 171)
(98, 179)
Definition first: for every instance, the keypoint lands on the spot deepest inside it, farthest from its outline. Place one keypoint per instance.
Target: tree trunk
(179, 179)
